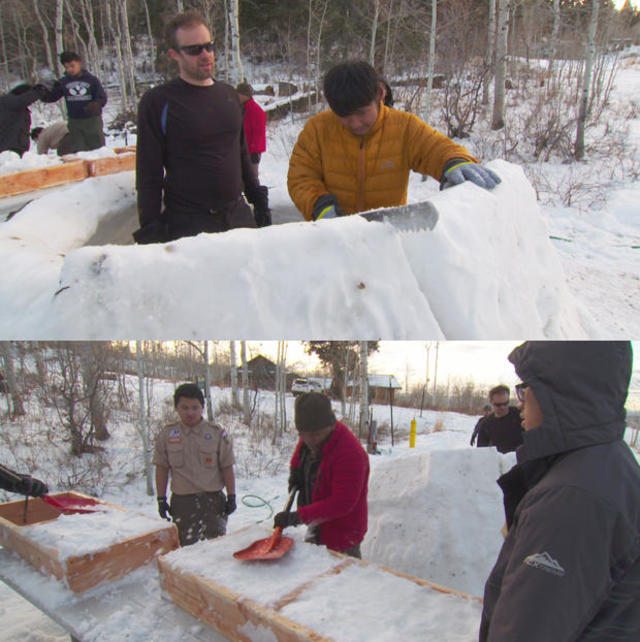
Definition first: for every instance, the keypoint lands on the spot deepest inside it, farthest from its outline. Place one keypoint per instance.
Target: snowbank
(487, 270)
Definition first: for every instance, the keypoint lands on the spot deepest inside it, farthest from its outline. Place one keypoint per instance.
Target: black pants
(200, 516)
(235, 214)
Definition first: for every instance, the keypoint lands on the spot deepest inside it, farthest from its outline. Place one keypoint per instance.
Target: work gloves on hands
(259, 198)
(326, 207)
(31, 486)
(284, 519)
(230, 504)
(163, 508)
(458, 170)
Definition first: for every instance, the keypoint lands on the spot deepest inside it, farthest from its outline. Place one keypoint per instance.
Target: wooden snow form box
(83, 549)
(311, 594)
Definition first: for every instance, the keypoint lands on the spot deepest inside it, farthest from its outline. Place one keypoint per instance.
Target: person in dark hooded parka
(569, 568)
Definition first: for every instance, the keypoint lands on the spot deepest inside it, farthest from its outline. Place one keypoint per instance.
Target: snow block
(310, 594)
(86, 549)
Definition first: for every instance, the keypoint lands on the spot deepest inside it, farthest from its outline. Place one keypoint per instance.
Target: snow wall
(487, 270)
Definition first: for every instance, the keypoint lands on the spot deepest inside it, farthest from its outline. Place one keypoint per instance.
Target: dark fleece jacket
(569, 568)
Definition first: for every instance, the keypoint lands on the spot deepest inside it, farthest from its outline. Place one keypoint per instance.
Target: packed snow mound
(487, 270)
(448, 491)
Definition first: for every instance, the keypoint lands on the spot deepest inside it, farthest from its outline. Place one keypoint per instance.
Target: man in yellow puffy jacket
(357, 155)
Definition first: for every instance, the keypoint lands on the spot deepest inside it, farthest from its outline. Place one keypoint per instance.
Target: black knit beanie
(313, 412)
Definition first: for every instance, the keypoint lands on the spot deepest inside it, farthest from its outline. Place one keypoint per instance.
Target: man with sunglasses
(502, 427)
(569, 568)
(191, 148)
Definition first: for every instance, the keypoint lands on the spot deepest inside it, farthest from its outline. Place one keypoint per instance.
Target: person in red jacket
(255, 125)
(331, 471)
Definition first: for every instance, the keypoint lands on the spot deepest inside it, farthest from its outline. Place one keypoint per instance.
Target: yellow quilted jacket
(365, 172)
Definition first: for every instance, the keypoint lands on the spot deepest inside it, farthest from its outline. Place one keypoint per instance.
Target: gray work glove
(32, 487)
(230, 504)
(163, 508)
(458, 171)
(326, 207)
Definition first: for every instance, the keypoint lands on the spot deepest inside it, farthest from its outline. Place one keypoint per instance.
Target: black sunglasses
(196, 50)
(500, 403)
(520, 387)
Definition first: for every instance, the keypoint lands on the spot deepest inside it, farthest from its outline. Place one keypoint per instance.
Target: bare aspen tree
(207, 381)
(431, 63)
(45, 35)
(501, 64)
(387, 39)
(233, 371)
(3, 48)
(143, 426)
(128, 59)
(7, 353)
(234, 32)
(246, 410)
(315, 25)
(374, 31)
(115, 30)
(553, 43)
(180, 6)
(583, 105)
(152, 44)
(93, 54)
(364, 390)
(490, 61)
(59, 40)
(280, 414)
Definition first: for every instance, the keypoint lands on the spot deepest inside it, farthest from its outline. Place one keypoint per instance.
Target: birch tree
(207, 381)
(374, 31)
(234, 374)
(143, 426)
(45, 35)
(553, 43)
(431, 63)
(491, 51)
(280, 414)
(246, 411)
(364, 389)
(315, 25)
(583, 105)
(237, 73)
(7, 353)
(501, 64)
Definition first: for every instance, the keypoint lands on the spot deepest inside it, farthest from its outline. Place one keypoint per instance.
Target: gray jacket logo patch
(545, 562)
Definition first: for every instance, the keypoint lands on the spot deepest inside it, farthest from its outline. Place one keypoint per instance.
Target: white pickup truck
(300, 386)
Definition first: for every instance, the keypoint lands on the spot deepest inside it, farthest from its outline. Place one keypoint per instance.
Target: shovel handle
(274, 539)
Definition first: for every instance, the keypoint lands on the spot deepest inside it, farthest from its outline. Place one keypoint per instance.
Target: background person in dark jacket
(24, 484)
(85, 98)
(486, 411)
(331, 470)
(502, 427)
(15, 117)
(569, 568)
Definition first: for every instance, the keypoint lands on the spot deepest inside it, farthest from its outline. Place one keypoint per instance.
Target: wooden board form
(237, 616)
(80, 572)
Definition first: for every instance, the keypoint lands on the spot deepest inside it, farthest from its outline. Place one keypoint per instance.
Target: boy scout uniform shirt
(196, 456)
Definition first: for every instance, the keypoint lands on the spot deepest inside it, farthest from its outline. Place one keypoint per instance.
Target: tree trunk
(374, 30)
(152, 45)
(234, 375)
(114, 26)
(553, 44)
(207, 381)
(387, 39)
(234, 31)
(364, 391)
(59, 39)
(583, 107)
(17, 407)
(490, 62)
(142, 427)
(246, 411)
(45, 35)
(432, 55)
(501, 63)
(129, 66)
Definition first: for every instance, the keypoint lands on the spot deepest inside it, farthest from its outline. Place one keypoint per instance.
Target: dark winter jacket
(338, 505)
(15, 120)
(481, 433)
(83, 95)
(505, 433)
(569, 568)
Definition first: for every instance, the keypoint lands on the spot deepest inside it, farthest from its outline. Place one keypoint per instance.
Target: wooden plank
(34, 179)
(81, 572)
(112, 165)
(228, 612)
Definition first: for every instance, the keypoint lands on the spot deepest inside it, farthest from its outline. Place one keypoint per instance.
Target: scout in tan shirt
(198, 458)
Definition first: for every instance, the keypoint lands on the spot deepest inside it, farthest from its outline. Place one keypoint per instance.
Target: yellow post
(412, 435)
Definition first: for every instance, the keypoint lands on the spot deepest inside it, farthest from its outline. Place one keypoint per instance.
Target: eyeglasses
(520, 387)
(500, 403)
(196, 50)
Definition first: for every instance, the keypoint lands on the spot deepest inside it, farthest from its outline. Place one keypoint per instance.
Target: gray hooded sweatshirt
(569, 568)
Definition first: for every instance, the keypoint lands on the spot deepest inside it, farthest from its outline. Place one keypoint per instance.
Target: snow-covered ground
(496, 265)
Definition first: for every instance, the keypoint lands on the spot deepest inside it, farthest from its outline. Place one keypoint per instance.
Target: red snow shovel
(70, 504)
(269, 548)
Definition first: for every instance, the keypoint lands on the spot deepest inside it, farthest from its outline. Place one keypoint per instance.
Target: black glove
(255, 157)
(43, 92)
(163, 508)
(282, 520)
(326, 207)
(296, 479)
(31, 486)
(155, 232)
(230, 505)
(259, 198)
(94, 108)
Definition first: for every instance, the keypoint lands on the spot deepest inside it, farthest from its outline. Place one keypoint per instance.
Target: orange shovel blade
(268, 548)
(69, 505)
